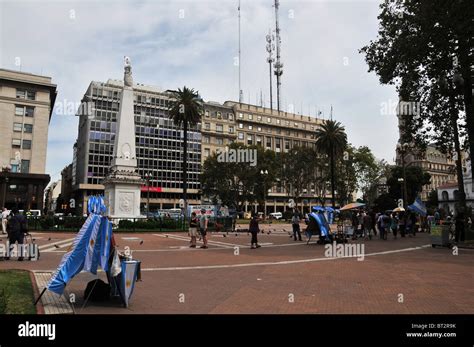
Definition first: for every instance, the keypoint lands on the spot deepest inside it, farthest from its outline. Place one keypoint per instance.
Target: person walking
(394, 225)
(5, 214)
(193, 225)
(295, 222)
(254, 229)
(16, 229)
(402, 224)
(367, 224)
(203, 222)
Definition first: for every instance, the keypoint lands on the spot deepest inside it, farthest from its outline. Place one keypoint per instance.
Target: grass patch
(16, 292)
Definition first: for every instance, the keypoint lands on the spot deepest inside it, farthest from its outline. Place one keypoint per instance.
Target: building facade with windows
(26, 106)
(158, 145)
(254, 125)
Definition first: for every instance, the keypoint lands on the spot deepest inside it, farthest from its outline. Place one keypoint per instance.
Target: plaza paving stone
(265, 280)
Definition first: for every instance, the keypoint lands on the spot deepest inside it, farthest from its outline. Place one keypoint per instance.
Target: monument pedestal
(122, 194)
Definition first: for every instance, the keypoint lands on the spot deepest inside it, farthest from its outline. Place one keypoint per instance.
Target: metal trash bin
(440, 235)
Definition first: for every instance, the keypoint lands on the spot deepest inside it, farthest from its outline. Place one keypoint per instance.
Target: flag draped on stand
(418, 206)
(89, 248)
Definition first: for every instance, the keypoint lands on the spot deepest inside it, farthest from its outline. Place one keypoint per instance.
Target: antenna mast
(278, 64)
(240, 89)
(270, 49)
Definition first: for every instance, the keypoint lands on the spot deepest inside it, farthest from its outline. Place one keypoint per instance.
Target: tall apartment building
(26, 106)
(254, 125)
(158, 144)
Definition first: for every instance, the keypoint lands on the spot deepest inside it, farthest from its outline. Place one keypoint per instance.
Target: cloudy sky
(194, 43)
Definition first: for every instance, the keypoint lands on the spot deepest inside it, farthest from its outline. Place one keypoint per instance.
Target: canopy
(318, 208)
(352, 206)
(399, 209)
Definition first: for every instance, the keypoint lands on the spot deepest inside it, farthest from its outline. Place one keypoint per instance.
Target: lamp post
(147, 177)
(264, 175)
(403, 150)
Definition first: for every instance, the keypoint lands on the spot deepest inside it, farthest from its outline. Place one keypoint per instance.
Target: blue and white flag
(418, 206)
(128, 278)
(73, 261)
(89, 248)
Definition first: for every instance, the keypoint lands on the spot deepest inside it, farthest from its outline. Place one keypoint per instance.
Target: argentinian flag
(89, 250)
(418, 206)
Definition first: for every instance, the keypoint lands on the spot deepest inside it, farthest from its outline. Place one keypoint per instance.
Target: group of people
(369, 224)
(15, 225)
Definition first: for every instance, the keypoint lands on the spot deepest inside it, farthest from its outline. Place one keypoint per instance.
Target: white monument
(122, 184)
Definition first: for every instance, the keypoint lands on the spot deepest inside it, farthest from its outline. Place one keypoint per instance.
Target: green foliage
(416, 178)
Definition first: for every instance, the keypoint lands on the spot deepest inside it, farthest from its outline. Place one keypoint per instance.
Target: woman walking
(254, 229)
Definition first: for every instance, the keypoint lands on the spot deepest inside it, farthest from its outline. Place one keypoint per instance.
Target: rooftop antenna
(241, 94)
(278, 64)
(270, 49)
(331, 112)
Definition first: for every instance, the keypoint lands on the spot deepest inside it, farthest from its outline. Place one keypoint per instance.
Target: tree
(185, 111)
(234, 183)
(432, 199)
(298, 171)
(367, 171)
(331, 140)
(416, 178)
(426, 49)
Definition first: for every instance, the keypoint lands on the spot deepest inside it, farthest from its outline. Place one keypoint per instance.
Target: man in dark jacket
(16, 229)
(254, 229)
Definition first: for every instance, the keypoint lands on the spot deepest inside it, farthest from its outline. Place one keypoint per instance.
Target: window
(25, 166)
(241, 136)
(287, 145)
(231, 116)
(259, 140)
(28, 128)
(250, 117)
(296, 125)
(16, 143)
(241, 126)
(231, 129)
(259, 118)
(287, 123)
(17, 126)
(220, 141)
(31, 95)
(26, 144)
(269, 142)
(278, 121)
(14, 167)
(207, 126)
(269, 120)
(206, 114)
(250, 127)
(206, 139)
(206, 152)
(277, 145)
(19, 110)
(219, 115)
(20, 93)
(219, 128)
(241, 116)
(29, 111)
(249, 139)
(259, 128)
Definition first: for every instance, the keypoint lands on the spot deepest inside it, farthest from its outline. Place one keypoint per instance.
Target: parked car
(276, 215)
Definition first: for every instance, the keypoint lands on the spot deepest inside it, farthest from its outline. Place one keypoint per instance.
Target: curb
(36, 293)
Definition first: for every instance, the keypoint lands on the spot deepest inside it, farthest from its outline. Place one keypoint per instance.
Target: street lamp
(264, 175)
(403, 150)
(148, 176)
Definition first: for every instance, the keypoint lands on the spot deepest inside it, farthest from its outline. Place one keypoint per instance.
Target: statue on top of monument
(128, 79)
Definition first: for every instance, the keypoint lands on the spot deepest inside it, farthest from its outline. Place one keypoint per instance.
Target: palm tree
(331, 139)
(185, 111)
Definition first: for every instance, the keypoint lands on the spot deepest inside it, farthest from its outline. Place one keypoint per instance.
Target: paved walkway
(52, 302)
(404, 275)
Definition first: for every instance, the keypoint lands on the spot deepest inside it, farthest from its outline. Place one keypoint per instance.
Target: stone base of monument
(122, 195)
